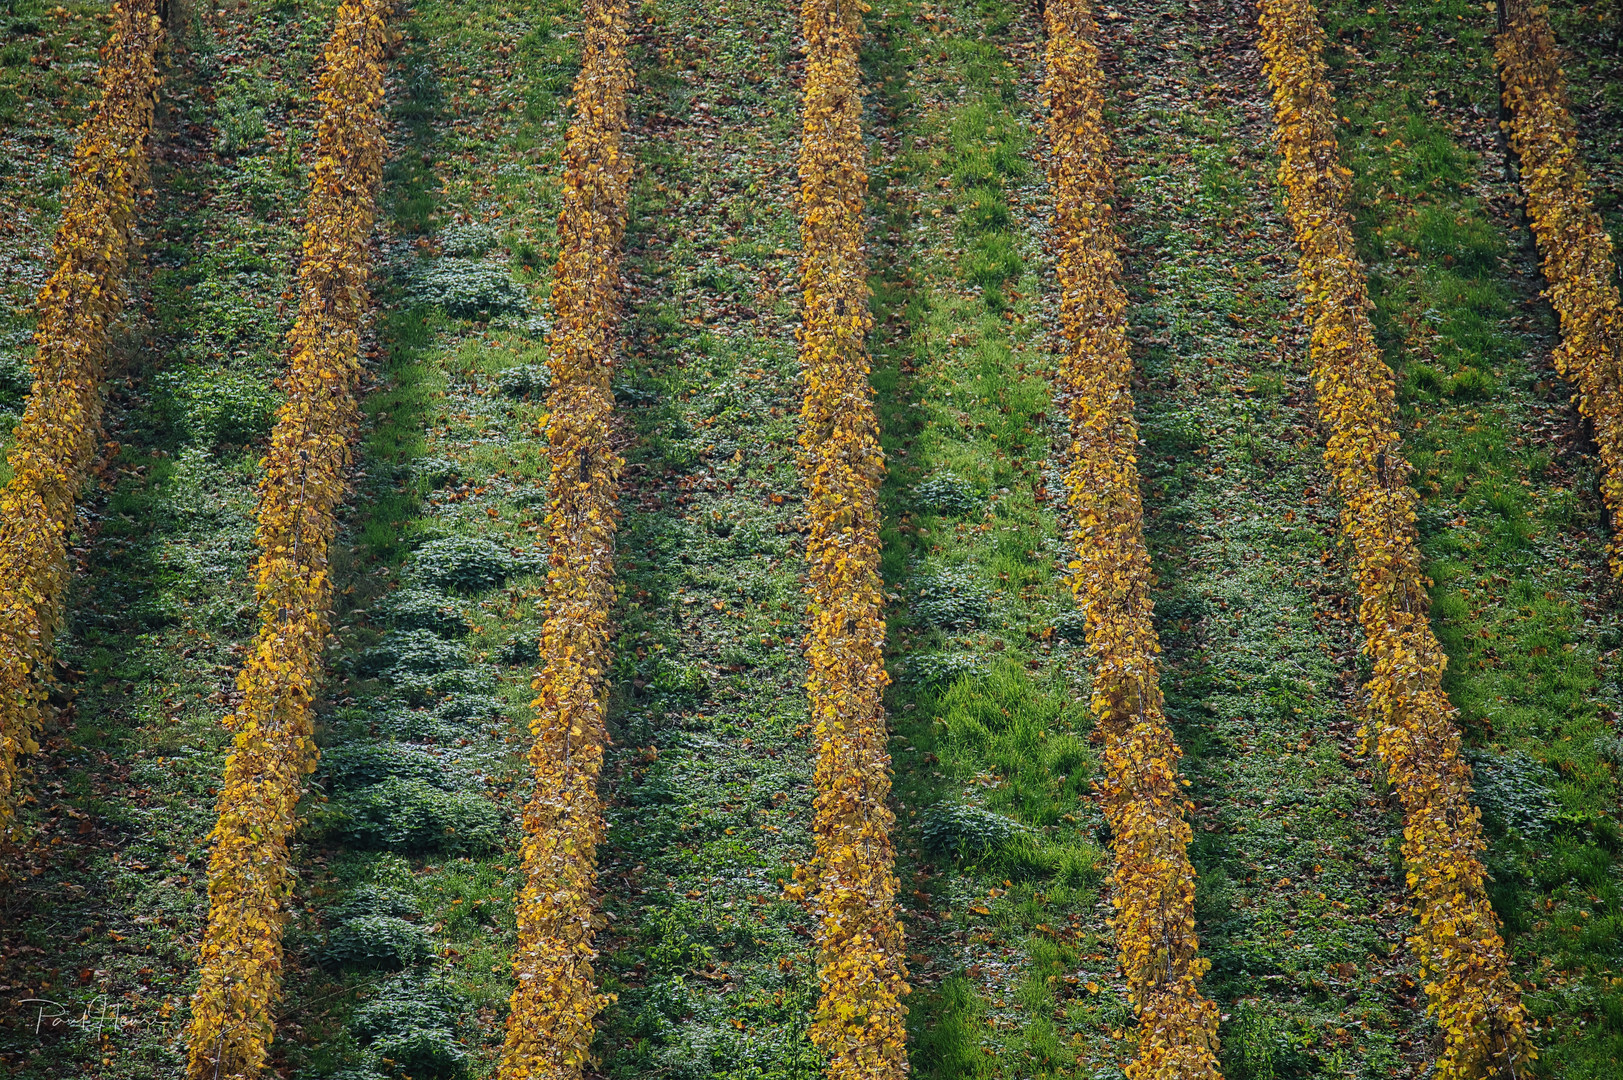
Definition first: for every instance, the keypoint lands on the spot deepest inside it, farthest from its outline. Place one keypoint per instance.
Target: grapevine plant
(860, 1021)
(549, 1031)
(249, 879)
(1457, 937)
(1154, 883)
(58, 438)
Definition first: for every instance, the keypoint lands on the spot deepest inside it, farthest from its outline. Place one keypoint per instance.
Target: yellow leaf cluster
(860, 1021)
(1477, 1005)
(56, 441)
(249, 879)
(1577, 250)
(549, 1030)
(1154, 884)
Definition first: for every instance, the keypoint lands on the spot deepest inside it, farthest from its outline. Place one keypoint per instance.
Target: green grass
(997, 851)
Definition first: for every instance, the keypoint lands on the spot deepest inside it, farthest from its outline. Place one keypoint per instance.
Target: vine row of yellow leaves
(860, 1021)
(1577, 252)
(249, 879)
(549, 1030)
(56, 441)
(1153, 889)
(1457, 939)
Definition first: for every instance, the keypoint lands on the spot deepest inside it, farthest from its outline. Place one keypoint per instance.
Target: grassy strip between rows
(1154, 882)
(709, 782)
(549, 1031)
(57, 439)
(1458, 941)
(989, 709)
(1571, 236)
(860, 1020)
(249, 878)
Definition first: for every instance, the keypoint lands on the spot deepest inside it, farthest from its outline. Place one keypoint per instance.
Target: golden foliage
(549, 1031)
(56, 441)
(249, 879)
(860, 1020)
(1154, 884)
(1577, 251)
(1457, 939)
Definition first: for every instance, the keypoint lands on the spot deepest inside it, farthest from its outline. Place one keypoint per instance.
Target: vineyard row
(860, 1021)
(549, 1030)
(58, 438)
(1154, 884)
(1467, 977)
(249, 879)
(1577, 251)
